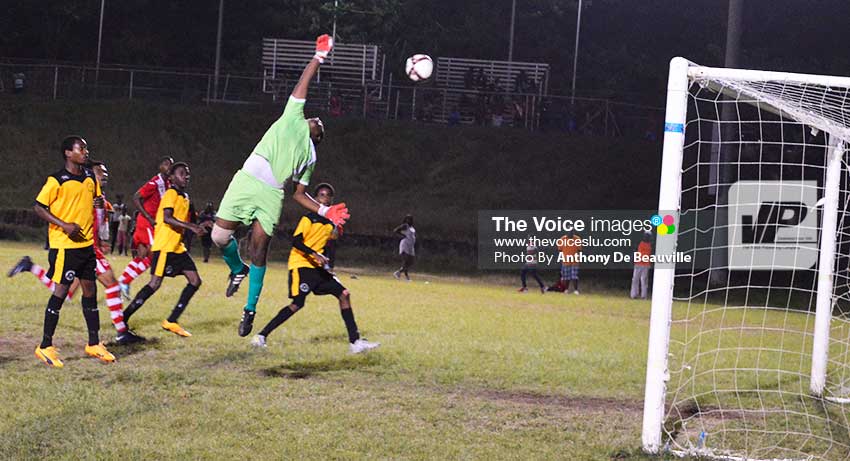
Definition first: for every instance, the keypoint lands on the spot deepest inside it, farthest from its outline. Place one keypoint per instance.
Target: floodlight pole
(511, 39)
(575, 54)
(99, 39)
(218, 48)
(720, 173)
(333, 34)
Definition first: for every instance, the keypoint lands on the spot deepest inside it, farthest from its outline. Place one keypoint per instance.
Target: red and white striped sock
(116, 308)
(41, 275)
(135, 268)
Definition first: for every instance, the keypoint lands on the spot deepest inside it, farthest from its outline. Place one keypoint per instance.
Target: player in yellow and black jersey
(169, 255)
(67, 202)
(311, 270)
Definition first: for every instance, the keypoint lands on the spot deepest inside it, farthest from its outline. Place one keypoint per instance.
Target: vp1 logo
(773, 225)
(770, 218)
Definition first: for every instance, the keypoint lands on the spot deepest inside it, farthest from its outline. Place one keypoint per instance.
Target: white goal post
(757, 366)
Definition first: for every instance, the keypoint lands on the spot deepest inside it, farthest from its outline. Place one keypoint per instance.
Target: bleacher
(353, 78)
(505, 75)
(471, 80)
(348, 69)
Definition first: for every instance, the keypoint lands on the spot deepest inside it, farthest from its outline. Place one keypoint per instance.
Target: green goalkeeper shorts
(248, 199)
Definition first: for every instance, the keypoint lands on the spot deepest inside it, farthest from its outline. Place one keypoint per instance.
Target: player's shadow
(213, 325)
(308, 369)
(127, 350)
(336, 338)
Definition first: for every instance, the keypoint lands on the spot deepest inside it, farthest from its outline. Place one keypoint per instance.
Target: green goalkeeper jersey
(287, 145)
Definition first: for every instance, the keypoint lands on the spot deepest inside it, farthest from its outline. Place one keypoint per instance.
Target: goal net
(749, 354)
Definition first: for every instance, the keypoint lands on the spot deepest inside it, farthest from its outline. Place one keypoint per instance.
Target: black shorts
(66, 264)
(305, 280)
(172, 264)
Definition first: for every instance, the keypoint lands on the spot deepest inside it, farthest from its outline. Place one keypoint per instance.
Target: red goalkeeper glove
(337, 214)
(324, 45)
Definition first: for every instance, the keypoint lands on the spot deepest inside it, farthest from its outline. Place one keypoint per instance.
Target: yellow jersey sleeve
(49, 192)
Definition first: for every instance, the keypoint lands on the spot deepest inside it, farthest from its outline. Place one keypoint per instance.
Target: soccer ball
(419, 67)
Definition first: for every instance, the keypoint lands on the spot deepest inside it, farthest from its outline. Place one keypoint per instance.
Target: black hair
(175, 166)
(94, 163)
(164, 158)
(69, 141)
(324, 185)
(321, 128)
(408, 219)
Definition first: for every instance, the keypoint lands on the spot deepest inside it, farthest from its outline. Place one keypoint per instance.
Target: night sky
(625, 44)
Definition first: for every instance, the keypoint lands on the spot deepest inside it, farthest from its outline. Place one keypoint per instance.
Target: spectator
(406, 247)
(426, 109)
(119, 209)
(334, 106)
(496, 119)
(335, 109)
(123, 231)
(640, 275)
(477, 78)
(530, 267)
(517, 114)
(18, 81)
(454, 117)
(570, 249)
(521, 82)
(469, 78)
(188, 235)
(206, 219)
(480, 110)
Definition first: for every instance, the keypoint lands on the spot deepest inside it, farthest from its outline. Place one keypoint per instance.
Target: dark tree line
(625, 44)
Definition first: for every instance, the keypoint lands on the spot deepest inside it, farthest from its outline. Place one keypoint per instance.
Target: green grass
(466, 370)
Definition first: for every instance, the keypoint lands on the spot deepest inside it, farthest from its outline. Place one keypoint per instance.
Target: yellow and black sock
(185, 297)
(51, 319)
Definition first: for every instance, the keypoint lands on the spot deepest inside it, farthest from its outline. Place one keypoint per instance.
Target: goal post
(829, 227)
(662, 282)
(758, 368)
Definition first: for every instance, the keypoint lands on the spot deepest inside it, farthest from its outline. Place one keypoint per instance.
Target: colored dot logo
(665, 225)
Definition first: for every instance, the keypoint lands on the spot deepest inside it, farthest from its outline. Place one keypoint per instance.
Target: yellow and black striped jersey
(313, 231)
(70, 198)
(165, 236)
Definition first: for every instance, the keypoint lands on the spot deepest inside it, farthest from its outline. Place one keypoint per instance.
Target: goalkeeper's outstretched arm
(324, 44)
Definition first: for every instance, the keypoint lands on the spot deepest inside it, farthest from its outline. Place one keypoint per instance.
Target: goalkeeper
(255, 194)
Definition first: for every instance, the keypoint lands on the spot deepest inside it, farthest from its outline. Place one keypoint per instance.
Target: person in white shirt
(530, 267)
(406, 247)
(123, 241)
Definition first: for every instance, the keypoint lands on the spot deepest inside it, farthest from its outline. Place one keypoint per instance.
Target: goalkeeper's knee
(221, 236)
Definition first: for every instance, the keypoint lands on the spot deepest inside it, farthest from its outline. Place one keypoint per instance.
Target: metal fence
(422, 102)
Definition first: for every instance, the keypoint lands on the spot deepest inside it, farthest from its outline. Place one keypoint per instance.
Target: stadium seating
(510, 76)
(346, 72)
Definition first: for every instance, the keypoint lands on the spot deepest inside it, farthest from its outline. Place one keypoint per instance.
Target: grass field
(466, 370)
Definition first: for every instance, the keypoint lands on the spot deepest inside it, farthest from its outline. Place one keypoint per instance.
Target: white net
(753, 202)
